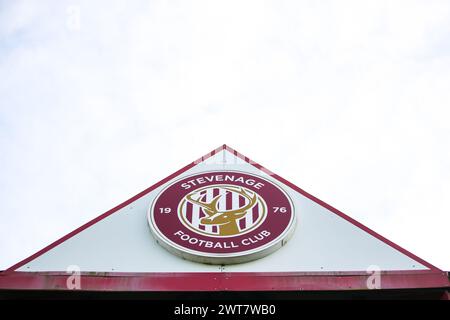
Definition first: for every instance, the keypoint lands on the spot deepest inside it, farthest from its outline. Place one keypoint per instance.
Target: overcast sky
(349, 100)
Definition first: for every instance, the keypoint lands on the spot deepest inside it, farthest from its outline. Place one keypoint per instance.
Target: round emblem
(222, 217)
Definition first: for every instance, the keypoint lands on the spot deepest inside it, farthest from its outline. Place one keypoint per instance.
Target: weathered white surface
(322, 241)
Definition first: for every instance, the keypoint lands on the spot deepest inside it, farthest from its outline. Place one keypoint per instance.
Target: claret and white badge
(222, 217)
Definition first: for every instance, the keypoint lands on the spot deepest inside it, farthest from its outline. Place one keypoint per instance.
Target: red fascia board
(246, 159)
(282, 281)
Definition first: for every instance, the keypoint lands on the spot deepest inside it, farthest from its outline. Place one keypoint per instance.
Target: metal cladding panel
(322, 241)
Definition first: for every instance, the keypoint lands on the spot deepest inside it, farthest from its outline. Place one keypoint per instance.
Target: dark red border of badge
(434, 277)
(169, 241)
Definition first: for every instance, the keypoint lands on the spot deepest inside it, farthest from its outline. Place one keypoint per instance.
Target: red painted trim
(335, 211)
(282, 281)
(109, 212)
(260, 167)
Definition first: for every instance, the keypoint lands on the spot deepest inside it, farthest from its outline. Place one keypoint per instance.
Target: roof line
(113, 210)
(192, 164)
(224, 281)
(335, 211)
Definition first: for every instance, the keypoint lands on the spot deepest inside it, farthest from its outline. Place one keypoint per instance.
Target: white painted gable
(322, 240)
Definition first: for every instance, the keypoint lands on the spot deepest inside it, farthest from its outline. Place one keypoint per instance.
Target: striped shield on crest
(222, 210)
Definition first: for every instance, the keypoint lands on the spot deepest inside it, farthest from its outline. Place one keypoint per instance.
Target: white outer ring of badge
(222, 258)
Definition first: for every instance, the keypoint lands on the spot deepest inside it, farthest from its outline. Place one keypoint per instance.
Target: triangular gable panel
(323, 240)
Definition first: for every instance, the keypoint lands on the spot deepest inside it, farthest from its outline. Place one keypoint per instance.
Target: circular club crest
(222, 217)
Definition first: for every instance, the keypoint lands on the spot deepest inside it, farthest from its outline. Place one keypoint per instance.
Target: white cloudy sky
(347, 99)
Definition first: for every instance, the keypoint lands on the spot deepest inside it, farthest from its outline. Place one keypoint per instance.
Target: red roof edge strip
(335, 211)
(189, 166)
(113, 210)
(282, 281)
